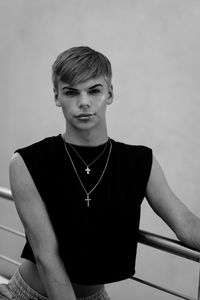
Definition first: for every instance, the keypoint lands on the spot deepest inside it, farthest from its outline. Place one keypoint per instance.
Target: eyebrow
(90, 88)
(96, 85)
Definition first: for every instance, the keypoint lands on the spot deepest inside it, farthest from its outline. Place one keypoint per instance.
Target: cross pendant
(88, 200)
(87, 170)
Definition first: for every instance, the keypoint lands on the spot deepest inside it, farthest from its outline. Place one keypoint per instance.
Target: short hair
(79, 64)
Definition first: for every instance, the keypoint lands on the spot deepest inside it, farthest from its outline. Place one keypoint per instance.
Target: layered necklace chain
(88, 199)
(88, 170)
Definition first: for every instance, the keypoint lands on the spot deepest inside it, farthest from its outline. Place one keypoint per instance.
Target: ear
(56, 98)
(110, 95)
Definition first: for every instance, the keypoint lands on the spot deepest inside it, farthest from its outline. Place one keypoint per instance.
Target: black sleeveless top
(97, 242)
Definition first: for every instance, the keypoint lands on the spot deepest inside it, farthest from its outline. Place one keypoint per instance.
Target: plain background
(154, 48)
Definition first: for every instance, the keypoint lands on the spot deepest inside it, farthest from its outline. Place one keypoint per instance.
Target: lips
(85, 115)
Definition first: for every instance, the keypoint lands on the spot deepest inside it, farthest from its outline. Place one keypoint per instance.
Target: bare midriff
(30, 274)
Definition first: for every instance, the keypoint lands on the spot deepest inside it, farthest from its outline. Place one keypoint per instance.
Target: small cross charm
(88, 200)
(87, 170)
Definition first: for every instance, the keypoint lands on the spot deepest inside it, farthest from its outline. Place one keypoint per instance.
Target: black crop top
(97, 243)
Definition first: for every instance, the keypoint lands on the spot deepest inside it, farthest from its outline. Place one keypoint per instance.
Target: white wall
(154, 47)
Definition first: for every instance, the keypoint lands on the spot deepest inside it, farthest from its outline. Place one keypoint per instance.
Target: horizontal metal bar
(168, 245)
(5, 228)
(6, 194)
(163, 289)
(14, 262)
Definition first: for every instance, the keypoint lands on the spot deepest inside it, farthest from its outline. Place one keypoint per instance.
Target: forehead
(100, 81)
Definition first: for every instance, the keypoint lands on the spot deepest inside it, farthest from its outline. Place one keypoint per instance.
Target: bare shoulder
(16, 162)
(17, 167)
(21, 181)
(158, 192)
(163, 200)
(157, 181)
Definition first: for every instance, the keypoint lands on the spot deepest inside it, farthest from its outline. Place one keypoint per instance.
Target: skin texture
(84, 108)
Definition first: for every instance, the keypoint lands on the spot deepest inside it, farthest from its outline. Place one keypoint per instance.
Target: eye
(71, 93)
(94, 91)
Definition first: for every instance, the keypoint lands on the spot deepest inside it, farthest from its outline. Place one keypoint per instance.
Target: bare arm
(165, 203)
(33, 214)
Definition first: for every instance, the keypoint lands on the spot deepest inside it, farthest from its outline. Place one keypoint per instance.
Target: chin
(85, 126)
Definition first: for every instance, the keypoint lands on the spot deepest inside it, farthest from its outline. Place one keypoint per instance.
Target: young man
(78, 194)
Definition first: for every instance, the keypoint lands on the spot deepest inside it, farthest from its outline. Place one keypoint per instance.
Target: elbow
(45, 257)
(44, 249)
(41, 259)
(188, 233)
(46, 261)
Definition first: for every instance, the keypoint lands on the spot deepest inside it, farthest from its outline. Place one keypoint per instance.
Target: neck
(85, 138)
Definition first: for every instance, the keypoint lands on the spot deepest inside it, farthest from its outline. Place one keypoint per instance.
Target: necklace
(88, 199)
(88, 170)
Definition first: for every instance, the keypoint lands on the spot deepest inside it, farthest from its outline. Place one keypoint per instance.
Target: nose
(84, 101)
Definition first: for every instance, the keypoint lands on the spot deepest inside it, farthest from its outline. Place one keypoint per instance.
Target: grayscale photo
(99, 144)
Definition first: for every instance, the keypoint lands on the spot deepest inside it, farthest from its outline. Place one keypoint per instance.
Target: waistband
(22, 291)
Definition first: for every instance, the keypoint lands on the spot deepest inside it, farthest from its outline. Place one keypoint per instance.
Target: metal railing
(171, 246)
(153, 240)
(7, 195)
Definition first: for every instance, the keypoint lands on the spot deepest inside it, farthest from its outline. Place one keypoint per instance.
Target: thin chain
(88, 193)
(88, 165)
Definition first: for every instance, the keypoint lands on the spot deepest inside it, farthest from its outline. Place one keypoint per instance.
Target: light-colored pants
(18, 289)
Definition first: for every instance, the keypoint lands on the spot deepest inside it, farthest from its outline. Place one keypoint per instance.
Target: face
(84, 105)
